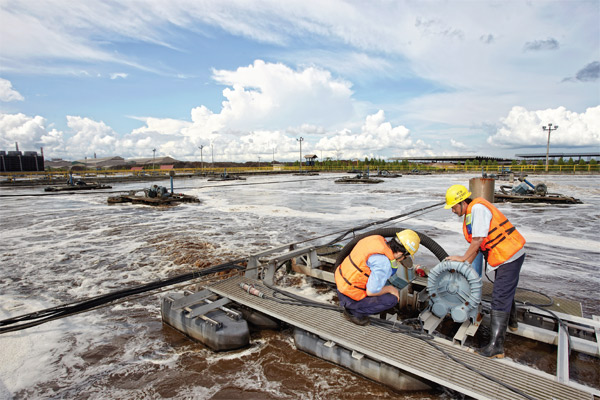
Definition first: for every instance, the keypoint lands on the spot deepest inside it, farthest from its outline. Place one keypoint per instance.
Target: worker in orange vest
(490, 232)
(361, 279)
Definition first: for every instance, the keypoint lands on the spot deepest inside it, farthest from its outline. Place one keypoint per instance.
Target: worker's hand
(455, 258)
(386, 289)
(420, 271)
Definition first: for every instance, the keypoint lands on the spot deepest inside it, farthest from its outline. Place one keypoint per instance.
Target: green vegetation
(373, 164)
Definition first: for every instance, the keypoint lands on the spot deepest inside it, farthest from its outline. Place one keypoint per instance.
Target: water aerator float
(527, 192)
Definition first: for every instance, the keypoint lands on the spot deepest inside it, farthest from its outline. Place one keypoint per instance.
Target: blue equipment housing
(521, 188)
(454, 287)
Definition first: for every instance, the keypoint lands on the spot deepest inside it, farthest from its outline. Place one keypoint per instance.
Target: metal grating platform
(564, 306)
(405, 352)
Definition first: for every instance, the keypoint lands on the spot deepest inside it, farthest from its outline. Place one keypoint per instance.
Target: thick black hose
(426, 241)
(358, 228)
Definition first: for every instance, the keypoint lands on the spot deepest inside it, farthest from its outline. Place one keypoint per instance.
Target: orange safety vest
(503, 240)
(353, 273)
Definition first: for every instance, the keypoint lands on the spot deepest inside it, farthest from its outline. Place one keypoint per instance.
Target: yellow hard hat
(410, 240)
(455, 194)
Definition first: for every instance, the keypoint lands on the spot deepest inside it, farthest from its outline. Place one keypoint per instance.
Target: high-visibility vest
(503, 240)
(353, 273)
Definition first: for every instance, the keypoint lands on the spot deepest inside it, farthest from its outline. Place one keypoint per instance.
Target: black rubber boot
(362, 321)
(495, 348)
(513, 324)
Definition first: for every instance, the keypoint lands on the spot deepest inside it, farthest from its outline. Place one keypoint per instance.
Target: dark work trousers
(505, 284)
(369, 305)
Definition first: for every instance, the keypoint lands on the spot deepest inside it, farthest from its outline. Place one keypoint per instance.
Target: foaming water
(65, 248)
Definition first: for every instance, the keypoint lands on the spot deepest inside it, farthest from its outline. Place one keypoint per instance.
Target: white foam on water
(306, 290)
(25, 354)
(68, 248)
(256, 346)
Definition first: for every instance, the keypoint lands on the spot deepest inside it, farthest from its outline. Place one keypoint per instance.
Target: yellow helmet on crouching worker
(455, 194)
(410, 240)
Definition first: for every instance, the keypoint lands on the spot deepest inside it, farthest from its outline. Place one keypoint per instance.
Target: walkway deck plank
(405, 352)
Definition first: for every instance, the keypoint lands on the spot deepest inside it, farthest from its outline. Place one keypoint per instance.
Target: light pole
(201, 160)
(300, 140)
(212, 151)
(548, 128)
(258, 162)
(153, 158)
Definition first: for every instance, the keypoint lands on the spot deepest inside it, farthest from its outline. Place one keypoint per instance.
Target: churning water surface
(68, 247)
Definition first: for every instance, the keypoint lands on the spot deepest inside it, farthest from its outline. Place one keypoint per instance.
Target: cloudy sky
(247, 78)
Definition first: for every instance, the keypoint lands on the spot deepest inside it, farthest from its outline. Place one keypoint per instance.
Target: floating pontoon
(79, 185)
(436, 349)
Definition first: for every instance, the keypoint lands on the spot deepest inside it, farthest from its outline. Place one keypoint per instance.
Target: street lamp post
(548, 128)
(201, 160)
(300, 140)
(212, 151)
(153, 159)
(258, 162)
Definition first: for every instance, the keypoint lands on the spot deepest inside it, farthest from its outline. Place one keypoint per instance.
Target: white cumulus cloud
(161, 126)
(91, 137)
(29, 132)
(7, 93)
(268, 95)
(523, 128)
(376, 137)
(457, 144)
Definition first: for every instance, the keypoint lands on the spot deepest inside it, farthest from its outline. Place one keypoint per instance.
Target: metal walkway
(407, 353)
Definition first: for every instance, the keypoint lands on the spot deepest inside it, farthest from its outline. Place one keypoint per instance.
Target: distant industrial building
(152, 161)
(103, 162)
(556, 156)
(16, 161)
(452, 159)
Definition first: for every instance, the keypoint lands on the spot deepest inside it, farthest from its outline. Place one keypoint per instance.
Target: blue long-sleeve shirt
(381, 270)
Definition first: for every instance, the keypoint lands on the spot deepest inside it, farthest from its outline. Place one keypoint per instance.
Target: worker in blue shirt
(362, 276)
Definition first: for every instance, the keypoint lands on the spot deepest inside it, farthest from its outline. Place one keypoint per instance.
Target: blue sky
(354, 79)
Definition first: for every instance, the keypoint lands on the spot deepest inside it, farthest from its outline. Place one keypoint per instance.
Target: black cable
(42, 316)
(487, 376)
(558, 320)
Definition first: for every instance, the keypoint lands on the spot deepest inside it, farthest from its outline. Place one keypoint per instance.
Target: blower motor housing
(454, 287)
